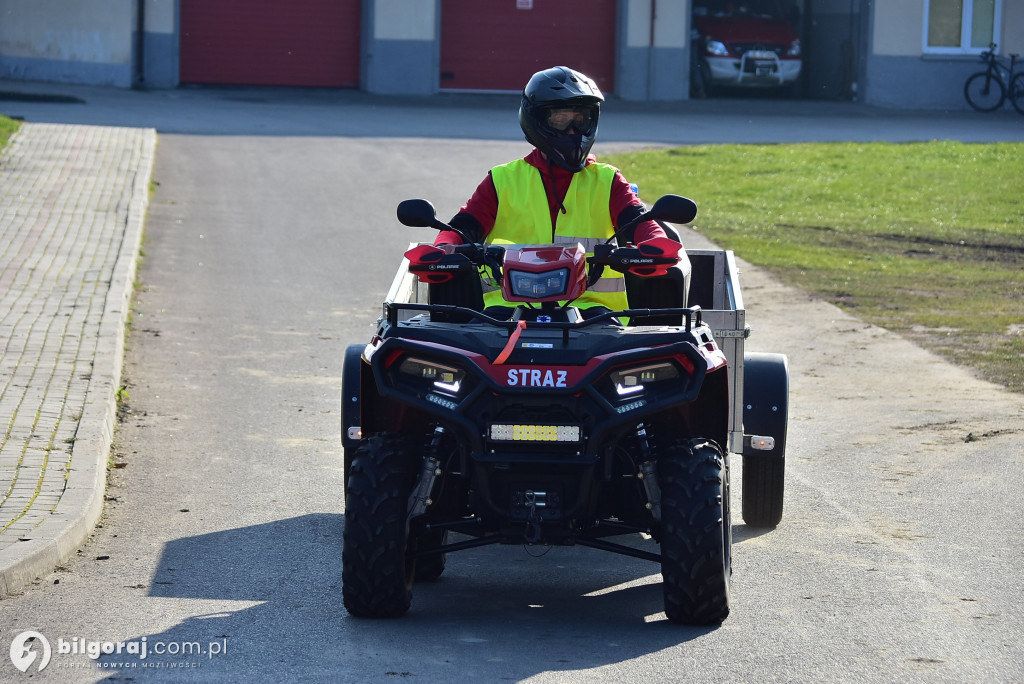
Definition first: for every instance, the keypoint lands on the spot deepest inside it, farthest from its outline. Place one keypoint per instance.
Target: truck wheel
(430, 568)
(764, 485)
(376, 570)
(696, 533)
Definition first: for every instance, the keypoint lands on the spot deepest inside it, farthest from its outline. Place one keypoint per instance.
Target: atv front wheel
(696, 534)
(429, 568)
(377, 573)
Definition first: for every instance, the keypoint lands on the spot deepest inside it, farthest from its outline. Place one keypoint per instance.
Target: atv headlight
(538, 285)
(442, 378)
(630, 381)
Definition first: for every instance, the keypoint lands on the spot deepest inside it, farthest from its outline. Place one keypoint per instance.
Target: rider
(559, 193)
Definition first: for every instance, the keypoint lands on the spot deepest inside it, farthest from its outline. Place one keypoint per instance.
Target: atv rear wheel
(377, 571)
(696, 533)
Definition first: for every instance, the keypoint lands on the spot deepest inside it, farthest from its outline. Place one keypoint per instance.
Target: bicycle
(987, 90)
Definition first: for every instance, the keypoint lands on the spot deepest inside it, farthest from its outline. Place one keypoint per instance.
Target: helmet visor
(580, 119)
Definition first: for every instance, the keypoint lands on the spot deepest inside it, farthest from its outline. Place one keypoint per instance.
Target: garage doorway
(496, 45)
(264, 42)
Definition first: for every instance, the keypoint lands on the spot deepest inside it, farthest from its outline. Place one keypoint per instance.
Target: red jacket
(482, 207)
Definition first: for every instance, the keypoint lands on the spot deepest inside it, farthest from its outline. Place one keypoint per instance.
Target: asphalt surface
(73, 195)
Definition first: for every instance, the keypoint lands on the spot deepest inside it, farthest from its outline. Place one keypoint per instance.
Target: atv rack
(715, 299)
(393, 314)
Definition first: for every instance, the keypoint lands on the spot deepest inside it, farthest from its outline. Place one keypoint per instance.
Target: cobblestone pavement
(72, 204)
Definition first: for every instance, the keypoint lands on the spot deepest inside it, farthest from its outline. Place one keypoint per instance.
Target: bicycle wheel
(1017, 92)
(984, 92)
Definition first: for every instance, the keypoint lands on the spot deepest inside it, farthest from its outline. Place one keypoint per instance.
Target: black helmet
(553, 101)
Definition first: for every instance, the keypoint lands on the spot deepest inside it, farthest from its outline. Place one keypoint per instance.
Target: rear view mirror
(674, 209)
(417, 213)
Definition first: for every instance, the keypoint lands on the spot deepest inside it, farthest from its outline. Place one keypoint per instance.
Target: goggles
(560, 118)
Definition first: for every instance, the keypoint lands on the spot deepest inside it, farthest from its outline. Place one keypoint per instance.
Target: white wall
(1012, 39)
(899, 27)
(404, 20)
(671, 17)
(98, 31)
(160, 16)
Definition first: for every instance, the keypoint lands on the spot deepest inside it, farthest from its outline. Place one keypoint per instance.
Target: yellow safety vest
(524, 218)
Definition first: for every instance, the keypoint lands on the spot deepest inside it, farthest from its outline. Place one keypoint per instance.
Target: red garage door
(499, 44)
(269, 42)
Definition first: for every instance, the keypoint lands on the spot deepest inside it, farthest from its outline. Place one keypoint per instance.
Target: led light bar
(441, 401)
(631, 406)
(535, 433)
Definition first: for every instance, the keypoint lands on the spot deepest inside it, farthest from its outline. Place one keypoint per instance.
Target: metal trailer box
(715, 287)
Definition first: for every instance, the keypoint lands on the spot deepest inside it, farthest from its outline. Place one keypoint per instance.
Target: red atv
(547, 428)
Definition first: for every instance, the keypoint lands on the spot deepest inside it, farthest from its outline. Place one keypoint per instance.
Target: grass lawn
(925, 239)
(7, 129)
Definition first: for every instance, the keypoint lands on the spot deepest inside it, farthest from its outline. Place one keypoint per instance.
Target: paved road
(275, 112)
(267, 253)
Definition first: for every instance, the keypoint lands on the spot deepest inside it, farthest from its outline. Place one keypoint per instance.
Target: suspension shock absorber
(420, 499)
(648, 474)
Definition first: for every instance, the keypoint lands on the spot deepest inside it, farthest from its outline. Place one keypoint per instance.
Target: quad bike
(461, 429)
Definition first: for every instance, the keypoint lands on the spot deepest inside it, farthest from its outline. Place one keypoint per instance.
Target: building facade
(911, 54)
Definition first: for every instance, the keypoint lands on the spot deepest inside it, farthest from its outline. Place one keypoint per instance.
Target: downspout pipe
(139, 77)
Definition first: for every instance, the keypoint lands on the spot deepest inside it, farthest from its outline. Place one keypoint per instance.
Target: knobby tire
(696, 533)
(377, 572)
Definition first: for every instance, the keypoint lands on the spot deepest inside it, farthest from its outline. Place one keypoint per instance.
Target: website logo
(23, 652)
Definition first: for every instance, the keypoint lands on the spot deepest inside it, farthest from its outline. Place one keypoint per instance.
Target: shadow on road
(582, 609)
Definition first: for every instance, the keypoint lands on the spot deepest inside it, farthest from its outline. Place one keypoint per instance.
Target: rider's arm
(476, 218)
(624, 206)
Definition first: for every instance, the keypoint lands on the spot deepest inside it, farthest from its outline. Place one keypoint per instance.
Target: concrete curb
(81, 503)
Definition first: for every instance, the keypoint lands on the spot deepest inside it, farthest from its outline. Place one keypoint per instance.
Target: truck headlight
(716, 48)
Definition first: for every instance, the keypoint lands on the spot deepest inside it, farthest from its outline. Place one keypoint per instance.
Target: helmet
(559, 114)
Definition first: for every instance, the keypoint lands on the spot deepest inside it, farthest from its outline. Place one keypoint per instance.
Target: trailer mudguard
(765, 401)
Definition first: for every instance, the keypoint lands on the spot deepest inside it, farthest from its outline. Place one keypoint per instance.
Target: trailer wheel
(766, 413)
(696, 534)
(377, 570)
(764, 485)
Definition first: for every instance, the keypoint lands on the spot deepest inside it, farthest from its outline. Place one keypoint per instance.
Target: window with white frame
(959, 26)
